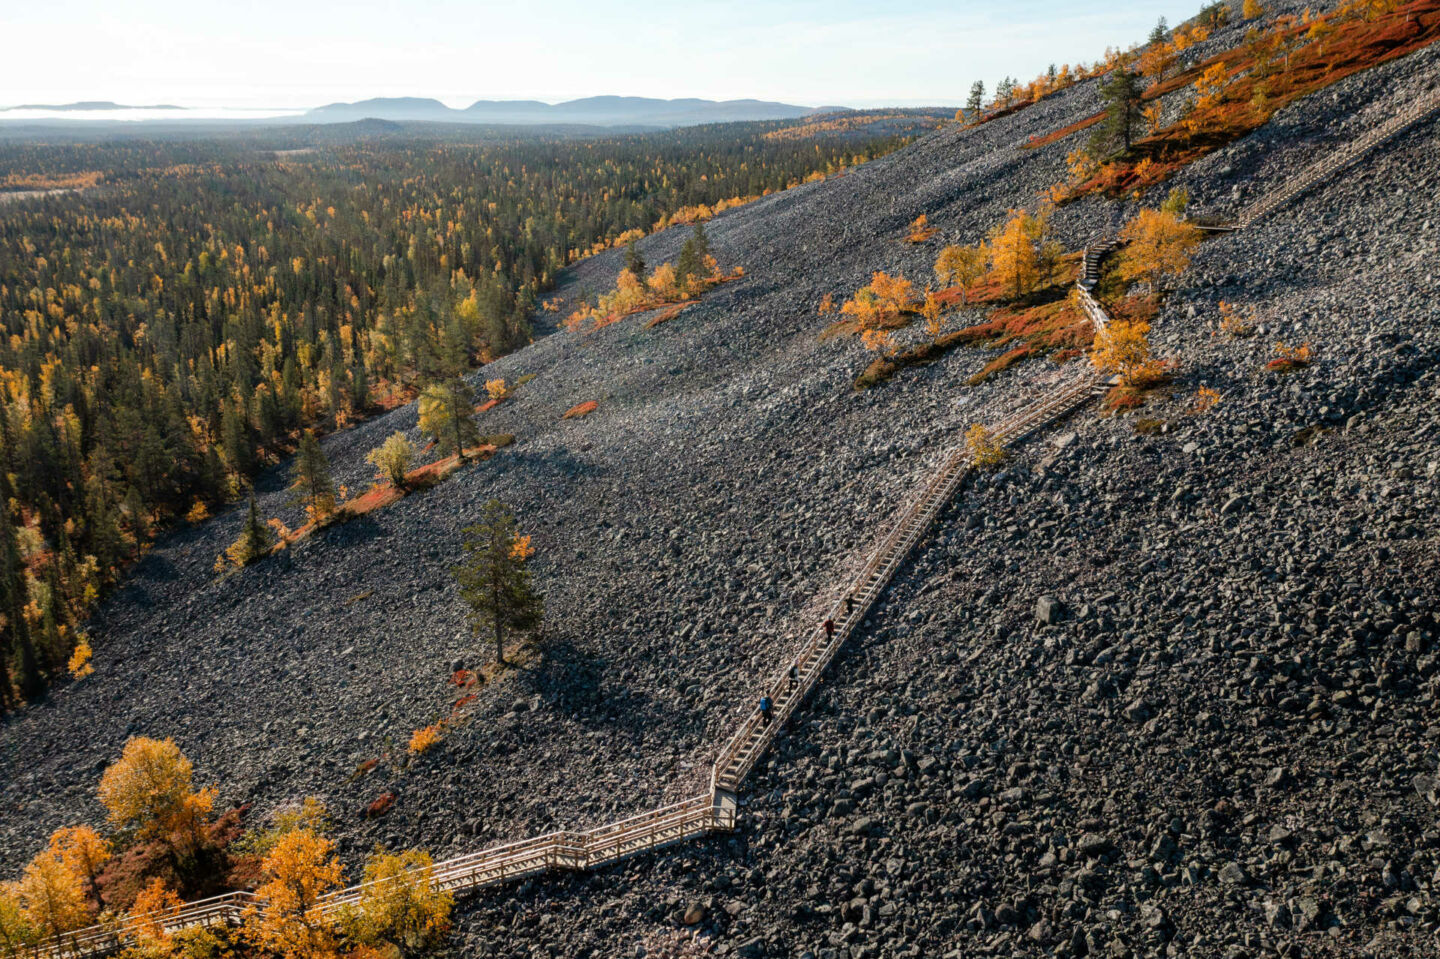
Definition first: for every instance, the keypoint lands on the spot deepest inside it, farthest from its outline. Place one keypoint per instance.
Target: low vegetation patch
(1290, 358)
(1063, 132)
(636, 291)
(580, 410)
(1239, 90)
(921, 231)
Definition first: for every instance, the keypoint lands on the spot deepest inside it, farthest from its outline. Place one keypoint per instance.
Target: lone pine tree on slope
(310, 483)
(495, 577)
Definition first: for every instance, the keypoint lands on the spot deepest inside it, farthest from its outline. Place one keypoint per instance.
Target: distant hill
(590, 111)
(90, 105)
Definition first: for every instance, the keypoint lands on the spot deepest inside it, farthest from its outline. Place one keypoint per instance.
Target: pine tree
(447, 404)
(634, 262)
(977, 99)
(13, 600)
(1160, 33)
(256, 539)
(1121, 96)
(494, 579)
(310, 483)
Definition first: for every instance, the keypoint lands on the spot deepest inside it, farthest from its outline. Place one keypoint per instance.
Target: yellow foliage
(1252, 9)
(51, 896)
(876, 340)
(985, 451)
(286, 920)
(156, 903)
(662, 282)
(1153, 114)
(1123, 348)
(520, 548)
(1205, 400)
(1013, 260)
(496, 389)
(424, 738)
(884, 296)
(81, 850)
(79, 664)
(961, 266)
(400, 904)
(198, 512)
(827, 305)
(921, 230)
(931, 312)
(1158, 244)
(148, 789)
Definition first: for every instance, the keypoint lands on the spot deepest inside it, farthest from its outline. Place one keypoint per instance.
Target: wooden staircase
(1337, 160)
(717, 809)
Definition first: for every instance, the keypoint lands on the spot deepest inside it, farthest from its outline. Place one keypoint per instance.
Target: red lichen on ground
(581, 409)
(1253, 94)
(1064, 131)
(669, 314)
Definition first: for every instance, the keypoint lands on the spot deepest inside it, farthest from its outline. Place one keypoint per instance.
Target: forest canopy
(173, 325)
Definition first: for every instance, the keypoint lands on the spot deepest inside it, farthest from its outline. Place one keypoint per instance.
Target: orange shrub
(423, 739)
(581, 409)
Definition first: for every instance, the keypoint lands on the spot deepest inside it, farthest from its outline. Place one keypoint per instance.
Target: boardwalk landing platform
(717, 809)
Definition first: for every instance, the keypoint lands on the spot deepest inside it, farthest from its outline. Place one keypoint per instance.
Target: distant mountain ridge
(91, 105)
(589, 111)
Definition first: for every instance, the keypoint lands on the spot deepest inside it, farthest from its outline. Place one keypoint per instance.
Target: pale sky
(302, 53)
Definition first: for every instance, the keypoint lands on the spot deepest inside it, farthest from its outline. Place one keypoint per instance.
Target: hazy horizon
(282, 57)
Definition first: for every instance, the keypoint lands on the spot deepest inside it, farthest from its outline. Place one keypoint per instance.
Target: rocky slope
(1222, 745)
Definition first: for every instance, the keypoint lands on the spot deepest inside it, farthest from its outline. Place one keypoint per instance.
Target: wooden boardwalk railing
(717, 809)
(1338, 159)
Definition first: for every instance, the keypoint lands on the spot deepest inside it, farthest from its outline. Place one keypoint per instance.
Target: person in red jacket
(829, 629)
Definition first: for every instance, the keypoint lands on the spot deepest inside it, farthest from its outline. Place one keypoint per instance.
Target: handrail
(709, 812)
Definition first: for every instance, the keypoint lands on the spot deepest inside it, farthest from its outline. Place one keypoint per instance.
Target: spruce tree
(494, 578)
(447, 405)
(1121, 96)
(310, 484)
(13, 599)
(634, 262)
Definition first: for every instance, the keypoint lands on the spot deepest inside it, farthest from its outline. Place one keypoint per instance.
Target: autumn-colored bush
(580, 409)
(380, 806)
(80, 665)
(1158, 245)
(149, 790)
(986, 451)
(884, 298)
(921, 230)
(961, 267)
(392, 459)
(1122, 348)
(497, 389)
(424, 739)
(1205, 400)
(1235, 321)
(1288, 358)
(286, 919)
(400, 904)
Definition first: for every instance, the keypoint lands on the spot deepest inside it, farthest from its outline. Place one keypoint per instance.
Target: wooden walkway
(716, 810)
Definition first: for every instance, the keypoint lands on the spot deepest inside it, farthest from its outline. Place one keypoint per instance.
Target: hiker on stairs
(829, 625)
(794, 675)
(767, 710)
